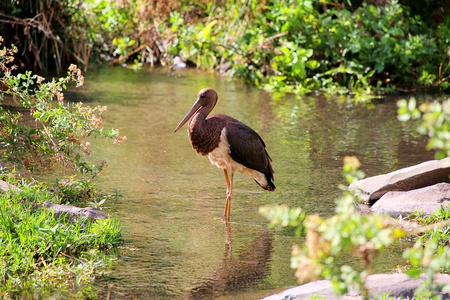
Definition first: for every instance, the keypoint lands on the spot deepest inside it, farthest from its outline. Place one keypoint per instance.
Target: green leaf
(379, 66)
(312, 64)
(414, 272)
(285, 27)
(412, 104)
(309, 52)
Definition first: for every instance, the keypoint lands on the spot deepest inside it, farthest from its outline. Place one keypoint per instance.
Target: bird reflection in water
(250, 267)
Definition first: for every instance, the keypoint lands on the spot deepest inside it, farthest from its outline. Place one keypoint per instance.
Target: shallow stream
(175, 244)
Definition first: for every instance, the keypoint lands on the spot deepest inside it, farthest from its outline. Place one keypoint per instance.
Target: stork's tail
(268, 185)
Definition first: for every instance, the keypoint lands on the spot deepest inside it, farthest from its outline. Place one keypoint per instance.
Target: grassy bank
(42, 254)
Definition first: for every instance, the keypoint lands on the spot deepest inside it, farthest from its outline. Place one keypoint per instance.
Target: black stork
(229, 144)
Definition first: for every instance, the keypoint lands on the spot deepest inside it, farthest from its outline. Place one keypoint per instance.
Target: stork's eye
(203, 95)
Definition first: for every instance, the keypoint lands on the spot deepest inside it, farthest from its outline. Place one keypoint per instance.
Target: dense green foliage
(41, 254)
(291, 46)
(298, 46)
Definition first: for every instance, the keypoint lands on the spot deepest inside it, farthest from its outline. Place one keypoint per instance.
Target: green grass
(40, 254)
(440, 235)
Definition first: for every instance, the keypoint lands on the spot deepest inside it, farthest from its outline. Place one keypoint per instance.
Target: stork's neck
(198, 120)
(197, 123)
(204, 133)
(205, 110)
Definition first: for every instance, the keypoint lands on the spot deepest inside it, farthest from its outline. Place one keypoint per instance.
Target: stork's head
(206, 100)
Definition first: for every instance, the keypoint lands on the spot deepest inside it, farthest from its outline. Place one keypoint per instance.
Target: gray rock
(414, 177)
(428, 199)
(6, 187)
(178, 62)
(398, 285)
(72, 213)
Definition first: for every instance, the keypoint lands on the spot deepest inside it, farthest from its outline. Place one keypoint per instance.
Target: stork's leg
(229, 194)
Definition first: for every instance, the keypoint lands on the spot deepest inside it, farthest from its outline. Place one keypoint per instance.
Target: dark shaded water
(176, 244)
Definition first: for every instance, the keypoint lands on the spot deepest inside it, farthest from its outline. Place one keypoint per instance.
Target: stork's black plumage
(229, 144)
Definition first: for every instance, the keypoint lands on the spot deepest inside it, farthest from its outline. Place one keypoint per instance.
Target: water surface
(177, 245)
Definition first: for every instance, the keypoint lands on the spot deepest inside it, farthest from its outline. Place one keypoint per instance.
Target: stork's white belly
(220, 157)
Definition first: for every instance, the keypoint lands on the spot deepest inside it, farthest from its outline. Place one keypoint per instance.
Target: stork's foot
(224, 220)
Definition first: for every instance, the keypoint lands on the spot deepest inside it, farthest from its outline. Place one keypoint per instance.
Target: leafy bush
(56, 129)
(295, 46)
(362, 235)
(365, 236)
(39, 129)
(110, 28)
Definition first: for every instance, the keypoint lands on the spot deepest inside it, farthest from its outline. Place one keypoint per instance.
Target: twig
(74, 258)
(63, 158)
(110, 286)
(131, 53)
(270, 39)
(30, 22)
(428, 228)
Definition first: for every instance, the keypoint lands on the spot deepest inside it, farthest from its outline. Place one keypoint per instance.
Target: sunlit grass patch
(40, 254)
(438, 234)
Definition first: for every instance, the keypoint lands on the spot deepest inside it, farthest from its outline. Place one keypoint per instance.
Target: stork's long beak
(190, 113)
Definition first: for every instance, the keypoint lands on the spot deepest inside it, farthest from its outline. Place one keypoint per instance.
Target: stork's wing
(247, 148)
